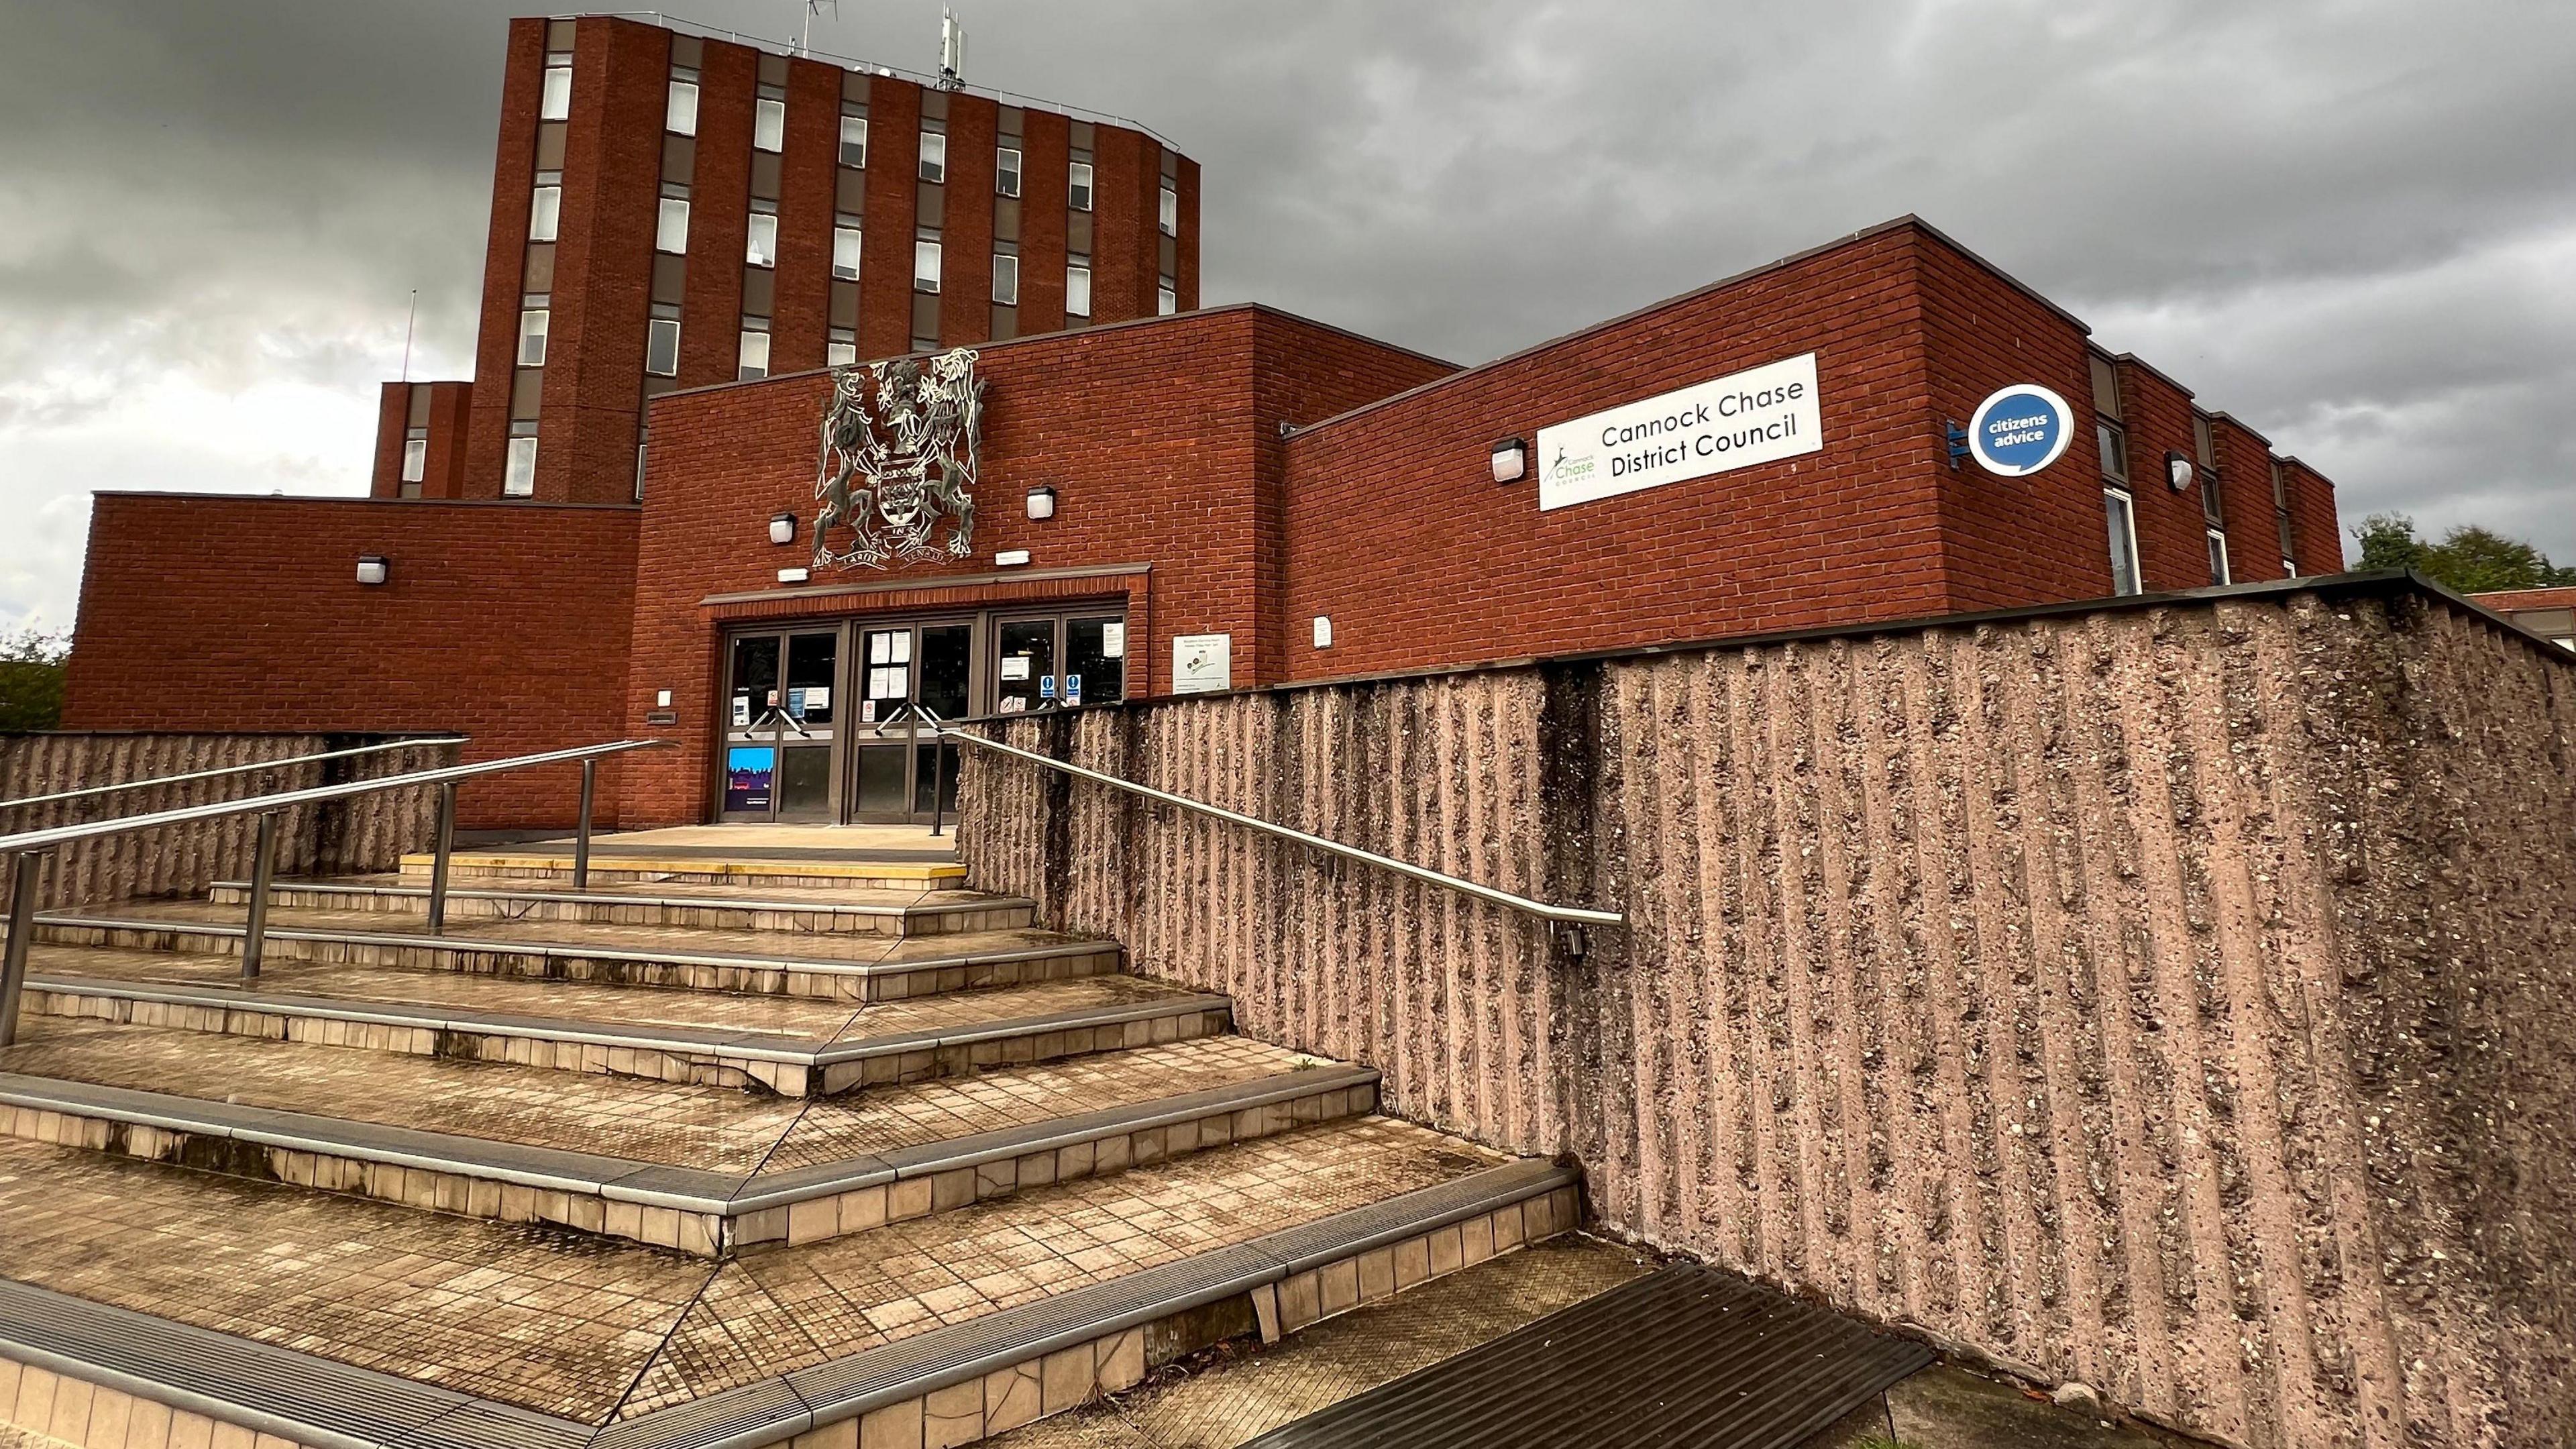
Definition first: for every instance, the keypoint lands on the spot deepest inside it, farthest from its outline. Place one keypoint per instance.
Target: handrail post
(445, 846)
(581, 838)
(263, 870)
(938, 780)
(22, 932)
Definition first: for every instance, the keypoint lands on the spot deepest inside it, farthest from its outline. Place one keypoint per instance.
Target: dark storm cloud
(2350, 222)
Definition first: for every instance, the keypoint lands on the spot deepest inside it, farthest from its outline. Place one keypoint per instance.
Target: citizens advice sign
(1758, 416)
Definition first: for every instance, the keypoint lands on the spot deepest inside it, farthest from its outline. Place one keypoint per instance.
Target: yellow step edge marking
(875, 870)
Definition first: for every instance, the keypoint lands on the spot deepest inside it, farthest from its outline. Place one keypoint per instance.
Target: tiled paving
(714, 1128)
(565, 1324)
(958, 1010)
(683, 940)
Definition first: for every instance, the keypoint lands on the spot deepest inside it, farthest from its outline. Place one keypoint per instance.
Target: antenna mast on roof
(952, 51)
(805, 37)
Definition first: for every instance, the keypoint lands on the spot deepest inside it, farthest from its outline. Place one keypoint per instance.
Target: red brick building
(1232, 497)
(672, 209)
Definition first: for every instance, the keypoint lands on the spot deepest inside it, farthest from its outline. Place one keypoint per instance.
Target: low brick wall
(2170, 996)
(364, 834)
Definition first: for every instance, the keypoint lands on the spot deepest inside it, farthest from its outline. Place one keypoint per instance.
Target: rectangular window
(2218, 558)
(762, 247)
(1078, 190)
(556, 103)
(1166, 301)
(768, 125)
(1006, 281)
(854, 140)
(2213, 510)
(1077, 291)
(755, 355)
(2204, 443)
(532, 337)
(2106, 386)
(671, 228)
(1171, 212)
(2281, 520)
(680, 112)
(1006, 171)
(662, 346)
(2114, 447)
(545, 213)
(2123, 521)
(925, 266)
(520, 481)
(415, 459)
(841, 350)
(934, 156)
(845, 252)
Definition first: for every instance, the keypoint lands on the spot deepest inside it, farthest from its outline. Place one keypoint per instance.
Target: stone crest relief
(898, 462)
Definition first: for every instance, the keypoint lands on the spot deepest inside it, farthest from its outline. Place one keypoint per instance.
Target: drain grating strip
(1687, 1358)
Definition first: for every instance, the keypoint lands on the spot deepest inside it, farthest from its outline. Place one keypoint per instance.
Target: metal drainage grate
(1688, 1356)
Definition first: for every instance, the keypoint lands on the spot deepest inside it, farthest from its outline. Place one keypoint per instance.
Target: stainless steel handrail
(29, 847)
(251, 768)
(1559, 915)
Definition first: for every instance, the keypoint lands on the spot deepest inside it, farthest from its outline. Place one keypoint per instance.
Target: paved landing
(810, 896)
(590, 1328)
(716, 1129)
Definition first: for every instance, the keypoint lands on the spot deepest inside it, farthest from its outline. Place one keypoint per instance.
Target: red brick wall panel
(1042, 221)
(2173, 541)
(810, 173)
(885, 261)
(719, 216)
(2245, 492)
(393, 426)
(514, 164)
(2314, 525)
(1188, 248)
(966, 236)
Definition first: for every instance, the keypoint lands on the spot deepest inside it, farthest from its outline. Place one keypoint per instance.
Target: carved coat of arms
(898, 459)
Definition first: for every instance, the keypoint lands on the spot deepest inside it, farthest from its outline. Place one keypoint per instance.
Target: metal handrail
(1559, 915)
(251, 768)
(29, 846)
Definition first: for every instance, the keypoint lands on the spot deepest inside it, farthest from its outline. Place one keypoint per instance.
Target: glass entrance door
(779, 725)
(1060, 660)
(911, 676)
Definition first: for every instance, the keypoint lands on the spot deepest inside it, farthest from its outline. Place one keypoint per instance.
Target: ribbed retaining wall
(2178, 997)
(364, 834)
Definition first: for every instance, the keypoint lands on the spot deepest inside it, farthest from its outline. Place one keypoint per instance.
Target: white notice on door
(1113, 641)
(1202, 663)
(1015, 666)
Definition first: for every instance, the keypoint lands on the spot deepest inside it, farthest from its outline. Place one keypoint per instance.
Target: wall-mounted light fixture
(782, 528)
(2178, 469)
(1511, 460)
(374, 569)
(1042, 502)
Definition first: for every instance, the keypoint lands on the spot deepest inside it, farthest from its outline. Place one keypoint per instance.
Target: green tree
(31, 679)
(2470, 559)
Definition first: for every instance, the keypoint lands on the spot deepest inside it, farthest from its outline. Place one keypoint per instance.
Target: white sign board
(1757, 416)
(1202, 662)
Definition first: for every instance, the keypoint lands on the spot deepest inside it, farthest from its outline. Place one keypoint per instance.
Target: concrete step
(703, 1170)
(156, 1292)
(832, 967)
(779, 1044)
(720, 907)
(522, 867)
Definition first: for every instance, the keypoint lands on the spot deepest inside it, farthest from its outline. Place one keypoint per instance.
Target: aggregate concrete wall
(363, 834)
(2170, 996)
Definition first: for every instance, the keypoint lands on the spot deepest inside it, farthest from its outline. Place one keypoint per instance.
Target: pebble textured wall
(2175, 998)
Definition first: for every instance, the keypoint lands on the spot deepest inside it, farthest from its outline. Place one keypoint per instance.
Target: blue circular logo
(2020, 429)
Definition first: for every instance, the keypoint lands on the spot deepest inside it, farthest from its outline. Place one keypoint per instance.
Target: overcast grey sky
(2350, 222)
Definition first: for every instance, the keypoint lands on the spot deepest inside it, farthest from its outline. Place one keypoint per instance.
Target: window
(762, 250)
(841, 349)
(934, 156)
(1171, 213)
(1006, 281)
(1006, 171)
(854, 140)
(1077, 291)
(755, 355)
(2123, 521)
(1078, 192)
(2114, 447)
(520, 481)
(768, 125)
(845, 252)
(662, 346)
(556, 102)
(415, 459)
(2218, 558)
(680, 112)
(532, 337)
(545, 213)
(925, 266)
(1166, 301)
(2281, 519)
(671, 229)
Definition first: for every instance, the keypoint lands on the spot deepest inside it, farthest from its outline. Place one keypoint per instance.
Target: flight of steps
(700, 1156)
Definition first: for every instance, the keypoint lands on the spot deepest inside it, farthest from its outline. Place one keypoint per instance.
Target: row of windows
(2111, 441)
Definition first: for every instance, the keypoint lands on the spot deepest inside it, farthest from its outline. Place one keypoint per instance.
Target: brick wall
(442, 409)
(503, 622)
